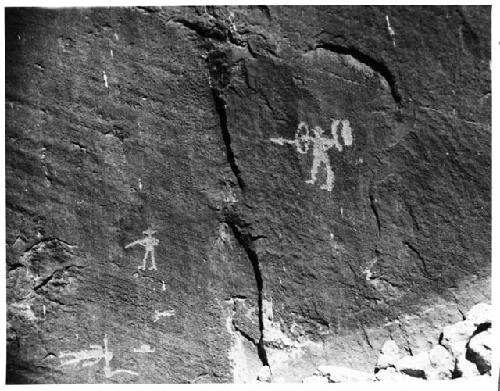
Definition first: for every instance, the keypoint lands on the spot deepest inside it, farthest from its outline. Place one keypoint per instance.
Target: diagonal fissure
(220, 107)
(245, 241)
(375, 65)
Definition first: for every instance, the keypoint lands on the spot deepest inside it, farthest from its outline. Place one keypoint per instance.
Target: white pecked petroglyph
(93, 356)
(391, 31)
(162, 314)
(320, 146)
(105, 79)
(148, 243)
(144, 349)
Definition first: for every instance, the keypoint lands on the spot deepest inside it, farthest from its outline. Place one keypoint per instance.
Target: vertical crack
(246, 241)
(220, 107)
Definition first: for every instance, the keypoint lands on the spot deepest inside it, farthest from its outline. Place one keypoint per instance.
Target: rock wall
(310, 181)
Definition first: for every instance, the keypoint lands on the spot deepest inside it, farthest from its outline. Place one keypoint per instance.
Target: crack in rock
(220, 107)
(377, 66)
(239, 230)
(419, 256)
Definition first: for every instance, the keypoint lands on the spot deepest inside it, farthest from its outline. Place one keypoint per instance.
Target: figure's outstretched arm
(141, 241)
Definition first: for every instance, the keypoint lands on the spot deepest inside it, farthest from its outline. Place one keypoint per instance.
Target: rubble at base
(463, 351)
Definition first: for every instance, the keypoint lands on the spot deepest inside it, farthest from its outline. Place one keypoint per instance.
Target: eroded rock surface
(318, 180)
(443, 362)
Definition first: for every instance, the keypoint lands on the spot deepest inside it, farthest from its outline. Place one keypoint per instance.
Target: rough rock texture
(177, 119)
(442, 362)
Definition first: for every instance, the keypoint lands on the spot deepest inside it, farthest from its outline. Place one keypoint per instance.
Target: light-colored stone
(479, 314)
(414, 365)
(456, 336)
(390, 374)
(315, 379)
(465, 368)
(390, 355)
(441, 364)
(480, 347)
(265, 374)
(344, 375)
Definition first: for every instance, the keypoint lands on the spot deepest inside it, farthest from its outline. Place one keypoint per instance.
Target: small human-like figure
(148, 243)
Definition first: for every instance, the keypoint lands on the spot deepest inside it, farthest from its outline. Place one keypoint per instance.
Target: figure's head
(149, 231)
(318, 131)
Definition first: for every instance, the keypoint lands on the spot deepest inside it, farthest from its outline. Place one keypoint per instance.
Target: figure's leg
(314, 170)
(153, 263)
(329, 176)
(143, 267)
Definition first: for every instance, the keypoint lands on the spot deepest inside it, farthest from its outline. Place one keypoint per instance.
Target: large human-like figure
(320, 146)
(148, 243)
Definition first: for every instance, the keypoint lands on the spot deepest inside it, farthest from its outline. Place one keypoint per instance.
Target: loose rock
(479, 351)
(390, 355)
(415, 366)
(479, 314)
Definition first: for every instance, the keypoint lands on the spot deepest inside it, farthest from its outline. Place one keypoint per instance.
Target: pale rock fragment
(414, 365)
(464, 368)
(479, 351)
(479, 314)
(265, 374)
(337, 374)
(391, 375)
(441, 364)
(456, 336)
(315, 379)
(390, 355)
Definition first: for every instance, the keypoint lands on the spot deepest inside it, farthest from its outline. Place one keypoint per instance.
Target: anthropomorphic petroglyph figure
(148, 243)
(91, 357)
(320, 146)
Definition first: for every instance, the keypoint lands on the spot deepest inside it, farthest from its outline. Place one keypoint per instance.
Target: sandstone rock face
(219, 194)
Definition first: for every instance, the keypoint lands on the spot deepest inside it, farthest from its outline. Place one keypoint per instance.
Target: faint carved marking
(320, 146)
(105, 79)
(144, 349)
(391, 31)
(148, 243)
(162, 314)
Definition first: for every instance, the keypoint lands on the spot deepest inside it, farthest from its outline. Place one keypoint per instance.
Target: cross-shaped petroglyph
(148, 243)
(92, 356)
(320, 146)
